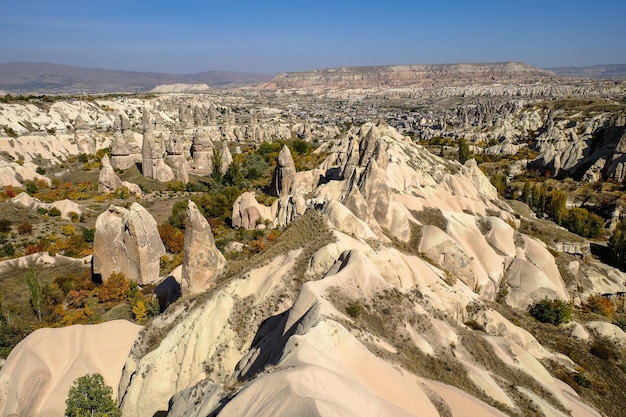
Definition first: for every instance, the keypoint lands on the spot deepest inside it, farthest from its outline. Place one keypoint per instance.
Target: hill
(27, 77)
(593, 71)
(410, 75)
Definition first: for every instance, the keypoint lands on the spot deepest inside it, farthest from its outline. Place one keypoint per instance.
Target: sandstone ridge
(409, 75)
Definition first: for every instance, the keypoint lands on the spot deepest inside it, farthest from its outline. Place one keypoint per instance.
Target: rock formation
(283, 174)
(202, 261)
(125, 151)
(108, 181)
(42, 367)
(82, 136)
(405, 75)
(202, 150)
(127, 241)
(248, 213)
(176, 160)
(153, 151)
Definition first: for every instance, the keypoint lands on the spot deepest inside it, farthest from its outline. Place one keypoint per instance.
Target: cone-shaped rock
(202, 261)
(283, 174)
(108, 180)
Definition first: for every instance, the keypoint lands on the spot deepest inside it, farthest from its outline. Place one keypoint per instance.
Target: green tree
(216, 165)
(464, 151)
(89, 396)
(36, 295)
(551, 311)
(527, 193)
(556, 208)
(617, 245)
(499, 181)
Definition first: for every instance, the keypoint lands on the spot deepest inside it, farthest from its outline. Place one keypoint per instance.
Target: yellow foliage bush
(115, 288)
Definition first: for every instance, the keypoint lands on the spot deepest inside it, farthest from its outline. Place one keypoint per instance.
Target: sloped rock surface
(37, 375)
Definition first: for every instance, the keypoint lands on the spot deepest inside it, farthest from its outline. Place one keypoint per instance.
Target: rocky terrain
(410, 75)
(388, 278)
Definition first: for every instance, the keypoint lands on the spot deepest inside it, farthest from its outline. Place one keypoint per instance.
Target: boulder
(202, 261)
(127, 241)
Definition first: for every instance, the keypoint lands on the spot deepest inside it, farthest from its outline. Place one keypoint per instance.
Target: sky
(270, 36)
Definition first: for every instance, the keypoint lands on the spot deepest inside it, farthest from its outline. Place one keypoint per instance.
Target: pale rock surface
(247, 212)
(108, 181)
(227, 158)
(181, 88)
(37, 375)
(206, 335)
(283, 174)
(127, 241)
(66, 207)
(202, 150)
(202, 261)
(608, 331)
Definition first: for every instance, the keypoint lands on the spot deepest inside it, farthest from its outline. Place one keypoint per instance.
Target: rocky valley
(440, 240)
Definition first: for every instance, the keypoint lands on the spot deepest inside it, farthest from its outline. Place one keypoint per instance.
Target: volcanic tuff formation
(410, 75)
(292, 348)
(127, 241)
(362, 303)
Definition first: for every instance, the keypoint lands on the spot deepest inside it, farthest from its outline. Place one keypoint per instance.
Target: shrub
(90, 396)
(116, 288)
(140, 311)
(5, 226)
(24, 228)
(54, 212)
(40, 171)
(89, 234)
(354, 309)
(551, 311)
(173, 238)
(600, 305)
(604, 349)
(582, 379)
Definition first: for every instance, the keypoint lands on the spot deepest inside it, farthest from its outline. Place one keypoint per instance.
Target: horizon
(274, 36)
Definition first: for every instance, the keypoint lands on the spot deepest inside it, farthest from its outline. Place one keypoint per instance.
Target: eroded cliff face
(409, 75)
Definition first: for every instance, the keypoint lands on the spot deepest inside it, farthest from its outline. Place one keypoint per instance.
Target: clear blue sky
(270, 36)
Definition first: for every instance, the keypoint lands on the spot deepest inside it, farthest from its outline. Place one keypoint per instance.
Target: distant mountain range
(27, 78)
(593, 71)
(46, 78)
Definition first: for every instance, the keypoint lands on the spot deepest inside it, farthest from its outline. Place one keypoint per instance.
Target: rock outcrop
(153, 152)
(202, 150)
(248, 213)
(202, 261)
(127, 241)
(108, 181)
(283, 175)
(409, 75)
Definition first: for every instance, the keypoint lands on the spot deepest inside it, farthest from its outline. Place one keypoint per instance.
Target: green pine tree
(36, 295)
(464, 151)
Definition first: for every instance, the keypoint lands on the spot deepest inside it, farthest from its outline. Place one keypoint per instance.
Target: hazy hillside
(25, 77)
(593, 71)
